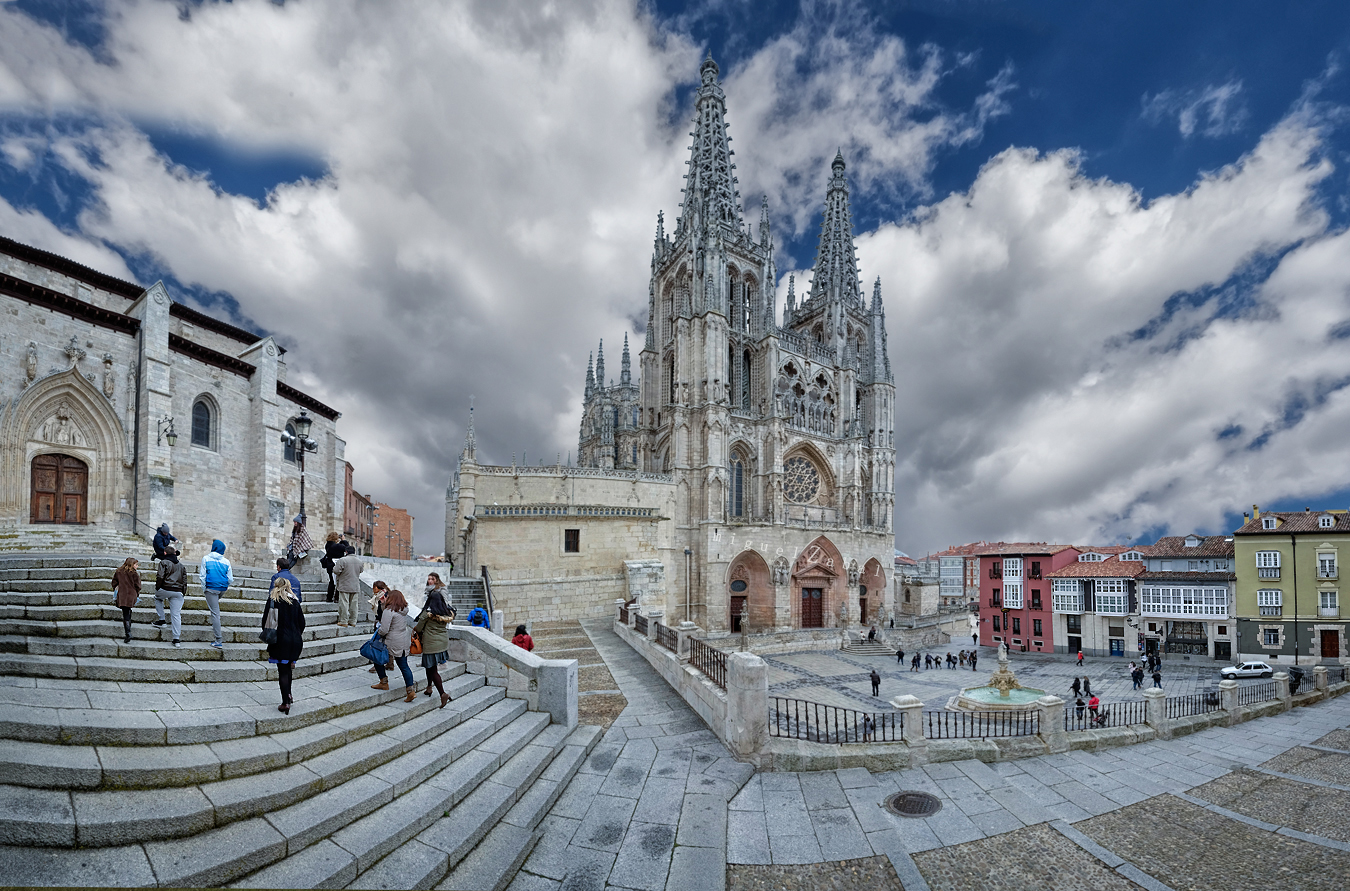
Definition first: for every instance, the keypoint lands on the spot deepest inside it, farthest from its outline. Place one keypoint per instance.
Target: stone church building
(122, 408)
(749, 463)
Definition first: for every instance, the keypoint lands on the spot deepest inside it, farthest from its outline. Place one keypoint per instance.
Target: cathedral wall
(62, 283)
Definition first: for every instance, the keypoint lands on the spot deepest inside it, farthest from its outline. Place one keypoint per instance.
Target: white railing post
(1156, 711)
(912, 730)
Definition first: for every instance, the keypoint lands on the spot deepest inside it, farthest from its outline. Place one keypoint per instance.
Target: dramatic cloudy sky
(1112, 236)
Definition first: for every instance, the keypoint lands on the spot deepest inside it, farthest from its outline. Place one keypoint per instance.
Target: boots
(445, 697)
(382, 685)
(412, 694)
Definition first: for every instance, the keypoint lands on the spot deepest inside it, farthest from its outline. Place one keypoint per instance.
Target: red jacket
(1093, 703)
(524, 641)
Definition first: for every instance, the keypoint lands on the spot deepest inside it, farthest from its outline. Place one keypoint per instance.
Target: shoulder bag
(375, 650)
(268, 635)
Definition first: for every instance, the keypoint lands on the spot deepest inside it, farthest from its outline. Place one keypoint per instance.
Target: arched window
(288, 450)
(736, 487)
(745, 381)
(203, 424)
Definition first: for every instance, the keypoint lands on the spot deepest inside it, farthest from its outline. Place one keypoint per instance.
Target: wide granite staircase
(141, 764)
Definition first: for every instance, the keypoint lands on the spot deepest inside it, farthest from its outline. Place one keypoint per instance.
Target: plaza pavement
(660, 803)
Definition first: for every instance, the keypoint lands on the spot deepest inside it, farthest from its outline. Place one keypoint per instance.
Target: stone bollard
(498, 620)
(685, 631)
(1282, 691)
(653, 617)
(557, 691)
(912, 731)
(1156, 711)
(1320, 681)
(618, 609)
(1228, 694)
(1052, 723)
(747, 726)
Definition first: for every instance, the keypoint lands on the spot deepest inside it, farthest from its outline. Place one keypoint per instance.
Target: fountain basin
(986, 699)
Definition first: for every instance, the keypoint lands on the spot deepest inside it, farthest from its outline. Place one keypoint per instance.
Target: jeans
(213, 604)
(402, 663)
(175, 599)
(348, 611)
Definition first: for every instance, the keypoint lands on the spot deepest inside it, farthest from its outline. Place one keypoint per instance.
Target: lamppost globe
(302, 425)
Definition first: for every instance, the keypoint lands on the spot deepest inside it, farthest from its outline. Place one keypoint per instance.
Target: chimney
(1256, 512)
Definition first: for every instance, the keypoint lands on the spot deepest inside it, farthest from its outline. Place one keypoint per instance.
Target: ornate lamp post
(302, 444)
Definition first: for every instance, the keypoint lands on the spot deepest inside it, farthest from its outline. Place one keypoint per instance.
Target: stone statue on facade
(30, 364)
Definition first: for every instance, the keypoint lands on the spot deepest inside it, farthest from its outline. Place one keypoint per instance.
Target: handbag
(268, 635)
(375, 650)
(415, 648)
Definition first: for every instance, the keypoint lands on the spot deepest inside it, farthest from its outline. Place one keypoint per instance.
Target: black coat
(290, 630)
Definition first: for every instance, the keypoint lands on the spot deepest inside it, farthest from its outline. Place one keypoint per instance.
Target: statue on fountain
(1003, 679)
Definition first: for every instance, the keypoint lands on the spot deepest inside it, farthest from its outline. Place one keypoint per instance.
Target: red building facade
(1015, 603)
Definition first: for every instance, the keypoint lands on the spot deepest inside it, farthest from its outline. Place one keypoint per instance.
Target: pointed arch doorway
(59, 490)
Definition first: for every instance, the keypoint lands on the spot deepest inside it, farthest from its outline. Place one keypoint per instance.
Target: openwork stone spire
(710, 192)
(836, 272)
(626, 369)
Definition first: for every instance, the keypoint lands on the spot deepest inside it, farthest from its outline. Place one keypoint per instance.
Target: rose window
(801, 481)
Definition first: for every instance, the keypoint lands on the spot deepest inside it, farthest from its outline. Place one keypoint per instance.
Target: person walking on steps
(163, 537)
(284, 572)
(876, 683)
(523, 639)
(170, 585)
(290, 635)
(479, 618)
(217, 576)
(431, 624)
(396, 629)
(379, 591)
(347, 577)
(127, 583)
(333, 550)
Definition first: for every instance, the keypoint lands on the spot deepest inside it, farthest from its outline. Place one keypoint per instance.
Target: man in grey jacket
(347, 579)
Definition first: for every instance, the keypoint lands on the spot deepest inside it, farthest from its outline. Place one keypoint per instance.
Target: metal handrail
(712, 662)
(980, 725)
(1117, 714)
(817, 722)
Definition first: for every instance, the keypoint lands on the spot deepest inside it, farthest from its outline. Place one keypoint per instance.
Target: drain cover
(913, 804)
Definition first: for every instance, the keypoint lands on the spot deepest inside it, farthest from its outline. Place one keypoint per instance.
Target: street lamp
(302, 444)
(169, 435)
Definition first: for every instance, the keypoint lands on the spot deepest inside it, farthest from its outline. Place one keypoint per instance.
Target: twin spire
(710, 190)
(835, 278)
(595, 368)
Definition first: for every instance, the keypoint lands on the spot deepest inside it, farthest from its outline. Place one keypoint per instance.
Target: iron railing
(1335, 674)
(1254, 693)
(1116, 714)
(623, 614)
(815, 722)
(712, 662)
(1193, 704)
(640, 624)
(667, 638)
(980, 725)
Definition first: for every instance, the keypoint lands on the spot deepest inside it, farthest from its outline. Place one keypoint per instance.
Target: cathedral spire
(590, 376)
(765, 232)
(469, 443)
(626, 369)
(600, 366)
(836, 271)
(791, 299)
(710, 192)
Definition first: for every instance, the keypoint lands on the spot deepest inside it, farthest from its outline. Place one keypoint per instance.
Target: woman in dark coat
(127, 584)
(290, 637)
(334, 549)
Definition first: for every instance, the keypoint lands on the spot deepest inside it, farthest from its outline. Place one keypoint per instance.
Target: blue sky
(1111, 236)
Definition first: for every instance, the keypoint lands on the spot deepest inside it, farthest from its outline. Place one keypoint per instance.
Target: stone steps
(870, 648)
(112, 767)
(336, 782)
(95, 668)
(105, 639)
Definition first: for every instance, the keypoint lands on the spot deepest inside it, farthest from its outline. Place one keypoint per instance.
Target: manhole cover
(913, 804)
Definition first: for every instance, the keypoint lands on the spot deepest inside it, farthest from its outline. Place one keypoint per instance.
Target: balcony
(1327, 573)
(1036, 605)
(1272, 610)
(995, 572)
(1329, 612)
(1268, 572)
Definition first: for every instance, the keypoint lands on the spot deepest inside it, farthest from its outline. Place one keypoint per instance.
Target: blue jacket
(295, 582)
(478, 616)
(215, 571)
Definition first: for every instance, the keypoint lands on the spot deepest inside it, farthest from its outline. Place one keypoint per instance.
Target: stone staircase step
(493, 862)
(110, 646)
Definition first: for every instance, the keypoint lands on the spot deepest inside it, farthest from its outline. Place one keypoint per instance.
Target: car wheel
(1266, 674)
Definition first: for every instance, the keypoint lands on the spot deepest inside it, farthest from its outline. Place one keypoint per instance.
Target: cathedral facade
(764, 450)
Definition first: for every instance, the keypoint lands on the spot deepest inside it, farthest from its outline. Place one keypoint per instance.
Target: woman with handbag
(396, 631)
(436, 615)
(127, 583)
(283, 630)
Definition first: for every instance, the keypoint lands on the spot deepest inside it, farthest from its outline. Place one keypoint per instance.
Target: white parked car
(1247, 670)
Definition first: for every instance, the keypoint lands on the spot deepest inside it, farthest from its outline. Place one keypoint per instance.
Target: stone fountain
(1003, 691)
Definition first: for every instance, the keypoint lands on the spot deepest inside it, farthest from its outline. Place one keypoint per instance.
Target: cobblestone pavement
(872, 873)
(648, 809)
(600, 702)
(834, 677)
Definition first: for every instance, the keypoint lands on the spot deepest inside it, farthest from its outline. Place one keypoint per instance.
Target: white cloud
(1030, 407)
(1215, 110)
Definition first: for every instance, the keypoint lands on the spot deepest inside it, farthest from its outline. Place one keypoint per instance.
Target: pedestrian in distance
(523, 639)
(1076, 686)
(973, 658)
(127, 583)
(479, 618)
(1157, 678)
(961, 659)
(284, 572)
(347, 578)
(1094, 704)
(217, 575)
(1079, 708)
(951, 662)
(1080, 657)
(1087, 686)
(1138, 677)
(872, 635)
(333, 551)
(876, 683)
(867, 728)
(289, 623)
(171, 586)
(900, 655)
(431, 625)
(163, 538)
(927, 661)
(395, 628)
(974, 640)
(914, 663)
